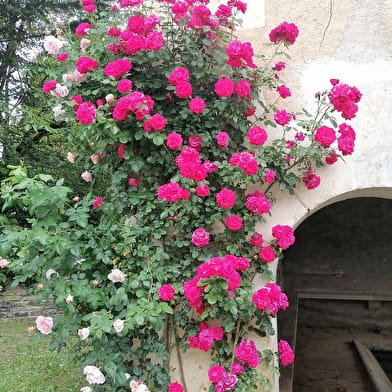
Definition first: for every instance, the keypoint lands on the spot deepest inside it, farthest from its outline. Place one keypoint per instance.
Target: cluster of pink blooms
(311, 180)
(225, 87)
(346, 139)
(287, 32)
(135, 103)
(205, 337)
(284, 236)
(172, 192)
(142, 34)
(240, 54)
(286, 354)
(191, 166)
(88, 5)
(344, 99)
(222, 380)
(245, 161)
(85, 111)
(139, 35)
(246, 352)
(179, 77)
(225, 267)
(270, 299)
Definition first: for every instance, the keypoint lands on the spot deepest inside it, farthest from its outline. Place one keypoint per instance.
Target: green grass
(27, 365)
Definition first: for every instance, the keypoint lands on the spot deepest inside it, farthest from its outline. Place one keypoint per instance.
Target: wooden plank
(336, 295)
(377, 375)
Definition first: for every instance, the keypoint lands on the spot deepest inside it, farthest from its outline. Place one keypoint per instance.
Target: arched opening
(338, 280)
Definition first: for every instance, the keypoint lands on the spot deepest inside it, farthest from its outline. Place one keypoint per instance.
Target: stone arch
(300, 216)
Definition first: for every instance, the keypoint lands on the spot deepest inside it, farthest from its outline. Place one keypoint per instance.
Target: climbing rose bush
(160, 253)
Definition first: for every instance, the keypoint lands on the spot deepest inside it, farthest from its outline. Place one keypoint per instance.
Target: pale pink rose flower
(52, 45)
(70, 157)
(83, 44)
(69, 299)
(86, 389)
(93, 375)
(58, 110)
(94, 158)
(60, 91)
(116, 276)
(118, 325)
(109, 98)
(137, 386)
(87, 176)
(4, 263)
(44, 324)
(73, 77)
(49, 273)
(83, 333)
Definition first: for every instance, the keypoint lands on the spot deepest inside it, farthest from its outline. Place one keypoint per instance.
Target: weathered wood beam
(377, 375)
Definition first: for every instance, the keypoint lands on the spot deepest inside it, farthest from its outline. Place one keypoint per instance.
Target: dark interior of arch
(338, 278)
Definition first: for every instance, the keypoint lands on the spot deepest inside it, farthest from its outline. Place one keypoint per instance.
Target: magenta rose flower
(256, 239)
(97, 202)
(287, 32)
(325, 136)
(311, 180)
(226, 198)
(124, 86)
(166, 292)
(117, 68)
(183, 90)
(178, 75)
(222, 139)
(224, 87)
(215, 373)
(175, 387)
(200, 237)
(234, 222)
(282, 117)
(257, 136)
(267, 254)
(283, 91)
(197, 105)
(174, 140)
(202, 190)
(286, 354)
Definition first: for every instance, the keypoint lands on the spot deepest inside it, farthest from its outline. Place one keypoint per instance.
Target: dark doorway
(338, 278)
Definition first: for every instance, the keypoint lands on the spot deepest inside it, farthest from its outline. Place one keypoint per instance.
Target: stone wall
(17, 303)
